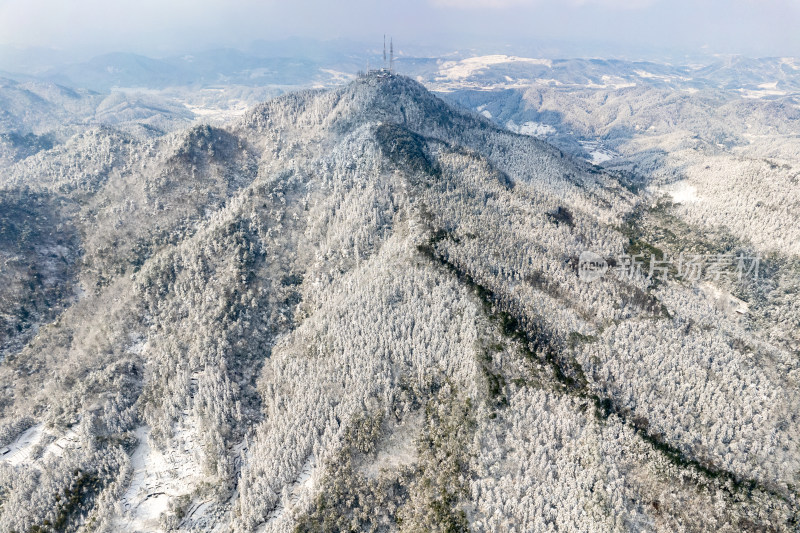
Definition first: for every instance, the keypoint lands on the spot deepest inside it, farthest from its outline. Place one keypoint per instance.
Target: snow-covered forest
(359, 309)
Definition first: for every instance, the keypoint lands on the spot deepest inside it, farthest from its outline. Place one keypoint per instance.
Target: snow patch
(723, 300)
(459, 70)
(533, 129)
(236, 109)
(599, 157)
(158, 477)
(683, 193)
(399, 449)
(765, 90)
(338, 76)
(650, 76)
(28, 449)
(598, 153)
(21, 450)
(610, 82)
(68, 441)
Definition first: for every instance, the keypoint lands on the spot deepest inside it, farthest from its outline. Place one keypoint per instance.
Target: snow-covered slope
(363, 309)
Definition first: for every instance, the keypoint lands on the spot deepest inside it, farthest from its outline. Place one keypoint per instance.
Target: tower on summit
(388, 59)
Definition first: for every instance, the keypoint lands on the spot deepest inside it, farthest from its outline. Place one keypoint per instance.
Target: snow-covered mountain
(366, 309)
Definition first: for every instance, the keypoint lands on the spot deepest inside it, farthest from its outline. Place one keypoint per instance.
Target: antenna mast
(391, 55)
(384, 50)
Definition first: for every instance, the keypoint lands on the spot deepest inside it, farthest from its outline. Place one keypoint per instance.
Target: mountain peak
(377, 97)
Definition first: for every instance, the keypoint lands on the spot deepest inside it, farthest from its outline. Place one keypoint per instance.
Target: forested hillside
(362, 309)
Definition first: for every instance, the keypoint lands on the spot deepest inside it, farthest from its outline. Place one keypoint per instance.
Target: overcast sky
(751, 27)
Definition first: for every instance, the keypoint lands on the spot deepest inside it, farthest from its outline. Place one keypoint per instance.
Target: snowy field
(598, 154)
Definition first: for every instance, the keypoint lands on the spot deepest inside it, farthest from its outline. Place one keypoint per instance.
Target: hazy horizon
(636, 28)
